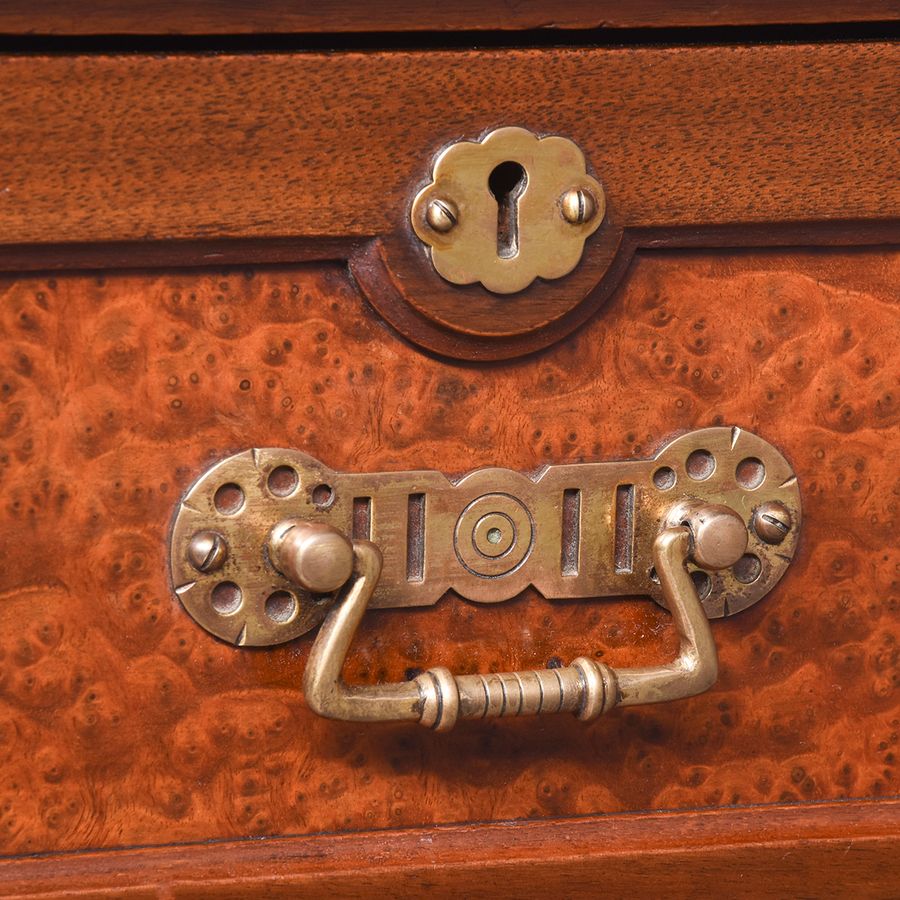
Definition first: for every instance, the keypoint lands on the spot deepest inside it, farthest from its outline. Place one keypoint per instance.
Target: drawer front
(207, 254)
(129, 724)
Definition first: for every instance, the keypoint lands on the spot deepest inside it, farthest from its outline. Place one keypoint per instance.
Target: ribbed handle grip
(437, 698)
(586, 688)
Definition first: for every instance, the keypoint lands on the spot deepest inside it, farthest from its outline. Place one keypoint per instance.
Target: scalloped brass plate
(505, 235)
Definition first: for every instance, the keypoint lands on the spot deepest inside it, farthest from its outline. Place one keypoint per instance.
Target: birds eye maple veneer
(207, 245)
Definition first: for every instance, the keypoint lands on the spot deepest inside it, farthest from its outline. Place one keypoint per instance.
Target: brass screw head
(442, 215)
(772, 522)
(207, 551)
(578, 206)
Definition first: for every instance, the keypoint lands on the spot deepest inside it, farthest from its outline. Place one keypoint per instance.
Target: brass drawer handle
(574, 531)
(714, 536)
(269, 543)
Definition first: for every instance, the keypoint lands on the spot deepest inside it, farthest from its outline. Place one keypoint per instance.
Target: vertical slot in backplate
(415, 537)
(624, 545)
(362, 518)
(571, 531)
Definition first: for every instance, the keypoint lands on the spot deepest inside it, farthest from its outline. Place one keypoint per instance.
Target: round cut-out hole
(747, 569)
(283, 481)
(281, 607)
(750, 473)
(226, 598)
(494, 535)
(700, 465)
(664, 478)
(702, 584)
(229, 499)
(322, 495)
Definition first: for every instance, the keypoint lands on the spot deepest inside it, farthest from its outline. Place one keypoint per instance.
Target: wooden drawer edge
(805, 848)
(287, 17)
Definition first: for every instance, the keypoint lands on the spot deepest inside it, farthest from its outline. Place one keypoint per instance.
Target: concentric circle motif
(494, 535)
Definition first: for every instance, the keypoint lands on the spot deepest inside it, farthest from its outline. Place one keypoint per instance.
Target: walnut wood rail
(250, 145)
(284, 16)
(808, 850)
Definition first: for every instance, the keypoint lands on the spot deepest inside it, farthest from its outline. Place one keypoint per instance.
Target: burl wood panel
(124, 723)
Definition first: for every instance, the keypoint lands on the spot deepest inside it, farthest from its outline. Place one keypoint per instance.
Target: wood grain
(848, 848)
(290, 16)
(312, 145)
(332, 147)
(125, 724)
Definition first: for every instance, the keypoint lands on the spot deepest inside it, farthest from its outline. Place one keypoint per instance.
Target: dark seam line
(212, 44)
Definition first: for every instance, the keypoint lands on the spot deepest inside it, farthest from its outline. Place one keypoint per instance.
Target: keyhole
(506, 183)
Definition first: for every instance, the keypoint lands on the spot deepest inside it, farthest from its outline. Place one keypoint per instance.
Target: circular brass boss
(494, 535)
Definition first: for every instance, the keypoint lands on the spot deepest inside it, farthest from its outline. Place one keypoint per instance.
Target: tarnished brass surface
(582, 530)
(312, 555)
(719, 536)
(484, 224)
(437, 698)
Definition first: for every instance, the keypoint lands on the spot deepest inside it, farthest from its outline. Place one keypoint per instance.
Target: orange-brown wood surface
(124, 723)
(842, 849)
(315, 145)
(728, 145)
(291, 16)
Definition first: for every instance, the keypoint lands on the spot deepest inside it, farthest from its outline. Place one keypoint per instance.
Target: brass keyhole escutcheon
(508, 209)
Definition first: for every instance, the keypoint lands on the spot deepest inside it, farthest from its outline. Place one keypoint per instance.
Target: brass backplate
(581, 530)
(507, 209)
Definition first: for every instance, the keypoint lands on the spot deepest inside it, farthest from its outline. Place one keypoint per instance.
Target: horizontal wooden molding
(288, 16)
(801, 849)
(312, 146)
